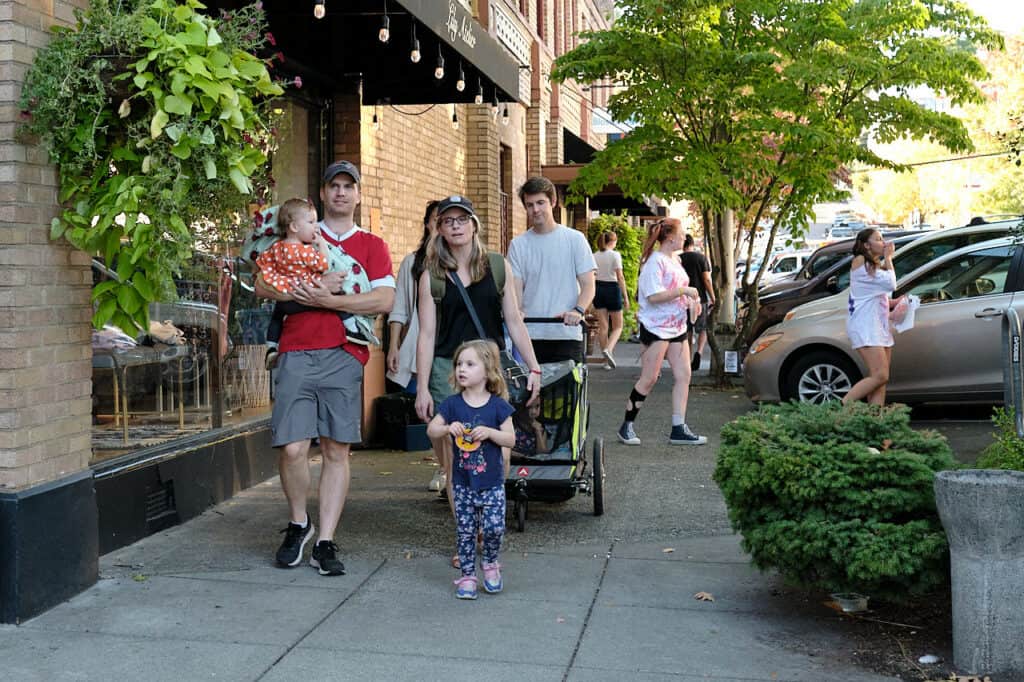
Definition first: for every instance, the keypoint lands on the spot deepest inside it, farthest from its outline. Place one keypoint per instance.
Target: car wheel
(820, 377)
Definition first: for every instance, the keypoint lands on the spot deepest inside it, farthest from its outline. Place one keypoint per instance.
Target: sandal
(455, 561)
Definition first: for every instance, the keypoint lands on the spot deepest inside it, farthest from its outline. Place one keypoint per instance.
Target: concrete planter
(982, 511)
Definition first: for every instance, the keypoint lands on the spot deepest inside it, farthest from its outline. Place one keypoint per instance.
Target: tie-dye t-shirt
(662, 273)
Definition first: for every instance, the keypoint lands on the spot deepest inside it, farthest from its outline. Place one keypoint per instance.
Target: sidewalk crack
(590, 610)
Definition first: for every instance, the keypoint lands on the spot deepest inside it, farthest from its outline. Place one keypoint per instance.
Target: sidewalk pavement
(609, 598)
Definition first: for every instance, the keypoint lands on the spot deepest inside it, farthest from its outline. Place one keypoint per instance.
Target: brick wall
(45, 350)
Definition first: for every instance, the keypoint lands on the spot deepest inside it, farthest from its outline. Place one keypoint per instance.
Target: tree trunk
(719, 230)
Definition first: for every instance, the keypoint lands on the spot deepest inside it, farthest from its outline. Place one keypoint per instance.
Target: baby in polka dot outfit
(300, 254)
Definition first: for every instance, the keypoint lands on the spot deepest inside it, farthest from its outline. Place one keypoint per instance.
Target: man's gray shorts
(317, 393)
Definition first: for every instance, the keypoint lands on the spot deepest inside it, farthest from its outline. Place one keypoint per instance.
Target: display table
(119, 361)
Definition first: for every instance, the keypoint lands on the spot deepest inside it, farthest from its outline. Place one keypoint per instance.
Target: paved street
(586, 598)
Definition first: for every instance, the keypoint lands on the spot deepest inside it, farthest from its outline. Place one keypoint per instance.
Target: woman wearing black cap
(445, 323)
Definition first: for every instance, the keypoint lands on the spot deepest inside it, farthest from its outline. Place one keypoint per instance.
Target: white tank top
(607, 263)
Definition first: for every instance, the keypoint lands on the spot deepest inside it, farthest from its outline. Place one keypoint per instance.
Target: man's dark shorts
(558, 350)
(317, 393)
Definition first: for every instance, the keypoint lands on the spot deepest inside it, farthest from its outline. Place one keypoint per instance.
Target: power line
(927, 163)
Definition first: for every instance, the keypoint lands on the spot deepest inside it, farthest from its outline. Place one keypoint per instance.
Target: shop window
(200, 367)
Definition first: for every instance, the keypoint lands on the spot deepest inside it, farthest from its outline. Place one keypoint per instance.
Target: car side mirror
(832, 284)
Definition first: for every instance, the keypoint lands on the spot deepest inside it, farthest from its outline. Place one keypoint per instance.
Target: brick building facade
(53, 483)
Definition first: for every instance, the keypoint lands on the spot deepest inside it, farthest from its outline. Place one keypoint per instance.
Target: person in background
(553, 271)
(872, 281)
(611, 297)
(665, 299)
(698, 269)
(404, 326)
(477, 419)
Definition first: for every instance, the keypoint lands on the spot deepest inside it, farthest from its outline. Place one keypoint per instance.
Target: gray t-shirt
(548, 265)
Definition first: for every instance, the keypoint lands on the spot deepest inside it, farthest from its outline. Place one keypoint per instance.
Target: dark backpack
(497, 264)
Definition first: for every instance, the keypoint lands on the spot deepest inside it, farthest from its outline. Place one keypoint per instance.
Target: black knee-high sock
(636, 401)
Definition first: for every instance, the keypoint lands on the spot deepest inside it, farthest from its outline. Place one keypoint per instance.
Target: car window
(787, 264)
(823, 262)
(920, 254)
(969, 276)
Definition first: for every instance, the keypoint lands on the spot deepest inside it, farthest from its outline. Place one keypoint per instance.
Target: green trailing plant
(1008, 450)
(157, 117)
(629, 245)
(837, 498)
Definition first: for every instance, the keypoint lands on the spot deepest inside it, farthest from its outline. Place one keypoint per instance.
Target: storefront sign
(460, 30)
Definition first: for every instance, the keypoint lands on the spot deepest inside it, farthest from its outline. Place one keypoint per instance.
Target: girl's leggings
(483, 509)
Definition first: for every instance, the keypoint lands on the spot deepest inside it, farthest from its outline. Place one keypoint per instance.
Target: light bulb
(414, 56)
(460, 84)
(320, 9)
(384, 35)
(439, 71)
(504, 116)
(376, 122)
(479, 99)
(455, 121)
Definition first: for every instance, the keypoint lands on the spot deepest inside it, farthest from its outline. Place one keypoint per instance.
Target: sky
(1004, 15)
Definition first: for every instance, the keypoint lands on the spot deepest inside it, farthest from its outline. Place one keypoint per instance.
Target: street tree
(752, 109)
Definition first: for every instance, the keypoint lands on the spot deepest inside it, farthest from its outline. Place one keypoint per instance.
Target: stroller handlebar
(546, 320)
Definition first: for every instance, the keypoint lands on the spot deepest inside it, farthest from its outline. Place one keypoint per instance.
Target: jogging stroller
(548, 460)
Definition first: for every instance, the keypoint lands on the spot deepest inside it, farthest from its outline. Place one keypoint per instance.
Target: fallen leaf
(140, 578)
(408, 554)
(704, 596)
(668, 550)
(385, 473)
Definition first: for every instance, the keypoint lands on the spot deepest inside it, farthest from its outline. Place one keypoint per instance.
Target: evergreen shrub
(837, 498)
(1008, 450)
(629, 245)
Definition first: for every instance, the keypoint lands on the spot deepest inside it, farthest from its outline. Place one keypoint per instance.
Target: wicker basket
(255, 379)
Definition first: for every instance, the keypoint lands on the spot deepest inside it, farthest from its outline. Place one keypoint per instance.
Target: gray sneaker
(682, 435)
(627, 435)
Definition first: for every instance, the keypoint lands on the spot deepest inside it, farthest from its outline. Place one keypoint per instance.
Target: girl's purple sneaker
(465, 587)
(492, 577)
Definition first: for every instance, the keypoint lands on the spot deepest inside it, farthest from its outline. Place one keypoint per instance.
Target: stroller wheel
(520, 511)
(597, 472)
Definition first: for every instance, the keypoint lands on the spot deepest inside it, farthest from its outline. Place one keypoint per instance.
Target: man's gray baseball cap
(346, 167)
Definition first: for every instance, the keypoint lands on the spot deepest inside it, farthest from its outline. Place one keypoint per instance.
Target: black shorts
(608, 296)
(550, 350)
(647, 338)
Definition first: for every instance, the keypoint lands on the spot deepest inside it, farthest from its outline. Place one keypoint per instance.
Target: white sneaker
(438, 482)
(608, 358)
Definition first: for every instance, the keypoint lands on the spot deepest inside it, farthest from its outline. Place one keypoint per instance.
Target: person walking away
(318, 387)
(610, 297)
(665, 298)
(404, 326)
(553, 271)
(872, 281)
(698, 269)
(445, 321)
(477, 419)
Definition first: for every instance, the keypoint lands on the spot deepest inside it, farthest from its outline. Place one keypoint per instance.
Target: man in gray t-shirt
(553, 274)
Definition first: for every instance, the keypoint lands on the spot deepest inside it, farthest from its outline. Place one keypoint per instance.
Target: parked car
(783, 265)
(827, 271)
(953, 354)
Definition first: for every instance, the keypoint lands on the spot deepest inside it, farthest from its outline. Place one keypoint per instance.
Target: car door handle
(990, 312)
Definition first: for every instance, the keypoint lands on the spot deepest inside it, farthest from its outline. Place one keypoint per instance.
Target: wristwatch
(580, 310)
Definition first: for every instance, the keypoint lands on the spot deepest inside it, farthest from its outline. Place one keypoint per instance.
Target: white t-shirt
(548, 265)
(661, 273)
(607, 263)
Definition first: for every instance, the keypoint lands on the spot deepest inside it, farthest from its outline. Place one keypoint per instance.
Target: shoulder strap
(454, 276)
(436, 288)
(497, 263)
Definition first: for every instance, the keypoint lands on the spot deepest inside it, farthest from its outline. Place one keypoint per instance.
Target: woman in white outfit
(872, 281)
(404, 325)
(611, 297)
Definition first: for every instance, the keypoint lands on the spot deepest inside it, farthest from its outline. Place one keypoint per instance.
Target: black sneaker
(295, 539)
(627, 435)
(695, 365)
(682, 435)
(325, 559)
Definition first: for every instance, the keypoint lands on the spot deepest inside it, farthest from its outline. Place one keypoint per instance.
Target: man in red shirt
(319, 373)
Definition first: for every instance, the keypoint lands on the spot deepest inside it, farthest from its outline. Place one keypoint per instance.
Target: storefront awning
(344, 46)
(609, 199)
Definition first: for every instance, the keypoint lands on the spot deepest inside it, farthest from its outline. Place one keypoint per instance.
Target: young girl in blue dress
(478, 418)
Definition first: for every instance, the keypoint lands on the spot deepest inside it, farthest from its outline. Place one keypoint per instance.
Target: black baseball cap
(346, 167)
(456, 201)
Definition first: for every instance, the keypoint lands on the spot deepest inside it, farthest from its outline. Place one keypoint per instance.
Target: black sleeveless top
(454, 324)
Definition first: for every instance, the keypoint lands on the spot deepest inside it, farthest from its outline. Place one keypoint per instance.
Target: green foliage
(837, 498)
(629, 245)
(1008, 450)
(758, 105)
(155, 115)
